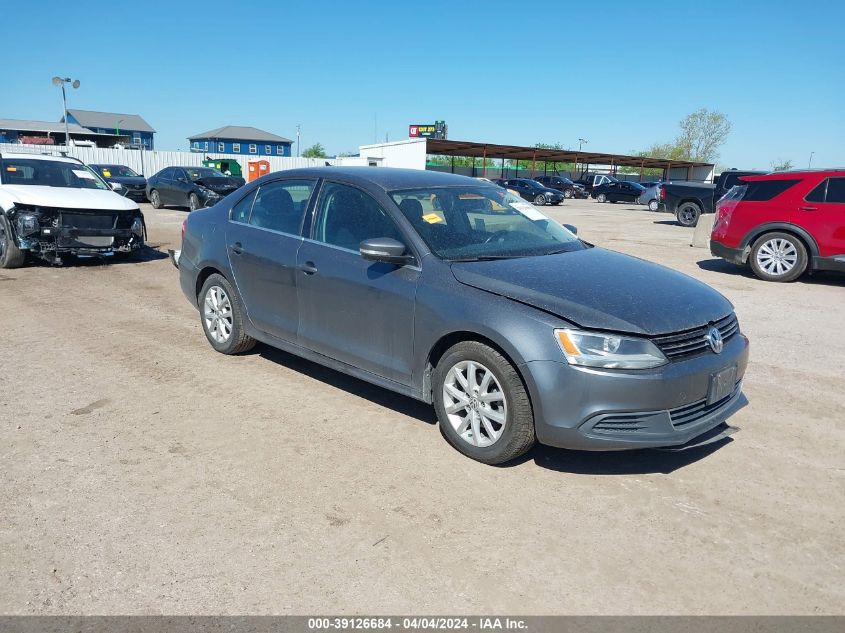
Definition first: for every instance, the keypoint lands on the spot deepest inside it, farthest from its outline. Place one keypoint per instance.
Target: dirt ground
(141, 472)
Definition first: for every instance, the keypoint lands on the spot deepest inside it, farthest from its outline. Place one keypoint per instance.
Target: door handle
(308, 268)
(809, 208)
(237, 248)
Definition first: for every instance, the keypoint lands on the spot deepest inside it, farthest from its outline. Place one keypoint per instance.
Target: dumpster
(258, 168)
(228, 166)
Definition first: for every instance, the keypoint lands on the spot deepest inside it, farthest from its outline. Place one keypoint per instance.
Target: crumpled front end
(50, 233)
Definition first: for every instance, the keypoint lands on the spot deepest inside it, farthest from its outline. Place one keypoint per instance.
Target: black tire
(688, 214)
(653, 205)
(518, 434)
(791, 245)
(10, 255)
(567, 193)
(601, 198)
(193, 202)
(540, 200)
(238, 341)
(155, 199)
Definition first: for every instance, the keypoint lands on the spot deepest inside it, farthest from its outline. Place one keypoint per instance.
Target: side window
(240, 212)
(347, 216)
(167, 174)
(763, 190)
(818, 193)
(836, 190)
(279, 206)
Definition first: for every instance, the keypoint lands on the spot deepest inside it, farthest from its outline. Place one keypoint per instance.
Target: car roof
(795, 173)
(387, 178)
(25, 155)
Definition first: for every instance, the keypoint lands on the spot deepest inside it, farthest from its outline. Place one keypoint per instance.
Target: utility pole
(61, 81)
(810, 164)
(298, 147)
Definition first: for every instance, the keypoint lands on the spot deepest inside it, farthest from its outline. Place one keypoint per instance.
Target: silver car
(651, 196)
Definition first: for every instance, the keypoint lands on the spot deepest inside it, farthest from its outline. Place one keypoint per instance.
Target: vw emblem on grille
(714, 338)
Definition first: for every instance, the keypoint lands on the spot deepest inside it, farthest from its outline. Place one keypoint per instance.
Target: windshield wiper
(487, 258)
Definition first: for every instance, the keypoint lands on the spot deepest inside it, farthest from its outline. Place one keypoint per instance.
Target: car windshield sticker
(528, 211)
(106, 173)
(432, 218)
(81, 173)
(11, 168)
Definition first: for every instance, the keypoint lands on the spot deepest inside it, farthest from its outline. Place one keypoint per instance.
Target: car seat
(274, 209)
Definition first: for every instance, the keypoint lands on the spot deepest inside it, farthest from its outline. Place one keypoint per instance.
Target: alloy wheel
(777, 256)
(540, 200)
(217, 312)
(475, 403)
(601, 197)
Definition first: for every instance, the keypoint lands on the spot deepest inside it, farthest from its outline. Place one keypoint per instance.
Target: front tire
(540, 200)
(222, 316)
(10, 255)
(567, 193)
(688, 214)
(601, 198)
(778, 256)
(155, 199)
(482, 405)
(193, 202)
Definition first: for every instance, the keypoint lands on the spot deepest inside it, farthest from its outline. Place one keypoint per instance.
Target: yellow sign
(432, 218)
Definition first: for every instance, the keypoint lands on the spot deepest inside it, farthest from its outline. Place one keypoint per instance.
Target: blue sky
(620, 74)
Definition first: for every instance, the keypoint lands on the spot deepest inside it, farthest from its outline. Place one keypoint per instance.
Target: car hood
(600, 289)
(66, 197)
(128, 180)
(220, 183)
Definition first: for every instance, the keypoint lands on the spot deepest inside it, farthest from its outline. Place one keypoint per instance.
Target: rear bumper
(588, 409)
(733, 255)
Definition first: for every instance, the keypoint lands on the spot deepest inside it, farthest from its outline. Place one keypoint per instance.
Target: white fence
(150, 162)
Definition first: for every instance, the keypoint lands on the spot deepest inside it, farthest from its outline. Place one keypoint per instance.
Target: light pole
(810, 164)
(61, 81)
(581, 142)
(297, 139)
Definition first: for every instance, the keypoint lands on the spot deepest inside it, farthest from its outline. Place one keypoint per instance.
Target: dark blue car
(456, 293)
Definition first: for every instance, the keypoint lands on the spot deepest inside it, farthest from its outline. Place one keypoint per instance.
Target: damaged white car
(53, 206)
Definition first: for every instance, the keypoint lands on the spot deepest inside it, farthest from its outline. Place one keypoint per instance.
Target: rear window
(763, 190)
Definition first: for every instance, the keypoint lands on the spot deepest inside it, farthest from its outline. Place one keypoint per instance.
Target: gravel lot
(144, 473)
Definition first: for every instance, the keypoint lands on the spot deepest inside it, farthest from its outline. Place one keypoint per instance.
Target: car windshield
(198, 173)
(533, 183)
(48, 173)
(473, 223)
(117, 171)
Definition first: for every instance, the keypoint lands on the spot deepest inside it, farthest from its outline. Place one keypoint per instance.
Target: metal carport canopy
(489, 150)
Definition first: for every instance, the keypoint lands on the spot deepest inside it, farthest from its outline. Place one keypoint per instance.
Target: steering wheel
(499, 236)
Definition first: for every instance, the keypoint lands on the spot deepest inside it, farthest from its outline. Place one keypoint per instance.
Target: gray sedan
(450, 291)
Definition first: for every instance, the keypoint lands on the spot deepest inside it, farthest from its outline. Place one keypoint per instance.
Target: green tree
(702, 134)
(315, 151)
(782, 165)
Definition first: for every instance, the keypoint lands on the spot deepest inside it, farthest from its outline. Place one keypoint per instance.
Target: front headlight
(27, 224)
(610, 351)
(137, 227)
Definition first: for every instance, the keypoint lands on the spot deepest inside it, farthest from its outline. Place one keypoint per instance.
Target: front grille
(88, 221)
(692, 342)
(620, 423)
(689, 414)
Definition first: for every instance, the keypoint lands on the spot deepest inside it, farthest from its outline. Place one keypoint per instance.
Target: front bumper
(733, 255)
(591, 409)
(83, 241)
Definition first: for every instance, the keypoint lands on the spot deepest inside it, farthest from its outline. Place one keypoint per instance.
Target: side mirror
(384, 249)
(571, 228)
(116, 186)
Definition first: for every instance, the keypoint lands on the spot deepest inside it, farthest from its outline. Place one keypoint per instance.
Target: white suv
(52, 206)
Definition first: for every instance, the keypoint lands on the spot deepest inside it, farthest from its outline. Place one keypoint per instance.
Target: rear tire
(688, 214)
(10, 255)
(222, 316)
(502, 397)
(653, 205)
(155, 199)
(778, 256)
(601, 198)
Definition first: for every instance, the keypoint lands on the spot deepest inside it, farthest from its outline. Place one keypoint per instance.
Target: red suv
(783, 224)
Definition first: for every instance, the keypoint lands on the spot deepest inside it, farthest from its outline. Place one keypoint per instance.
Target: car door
(611, 190)
(182, 187)
(263, 236)
(822, 213)
(161, 183)
(354, 310)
